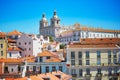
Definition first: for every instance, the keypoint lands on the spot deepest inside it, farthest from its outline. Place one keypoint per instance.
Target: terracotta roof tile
(84, 28)
(63, 75)
(99, 40)
(2, 34)
(9, 79)
(46, 53)
(15, 32)
(53, 59)
(29, 59)
(14, 48)
(11, 40)
(19, 60)
(10, 60)
(93, 46)
(67, 33)
(24, 78)
(48, 75)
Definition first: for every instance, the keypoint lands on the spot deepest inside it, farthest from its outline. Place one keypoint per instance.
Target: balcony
(88, 75)
(99, 74)
(74, 75)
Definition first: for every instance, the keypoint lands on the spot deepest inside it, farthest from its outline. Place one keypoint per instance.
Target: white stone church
(72, 33)
(50, 30)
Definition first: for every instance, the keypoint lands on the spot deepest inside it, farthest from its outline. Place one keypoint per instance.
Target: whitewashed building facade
(31, 45)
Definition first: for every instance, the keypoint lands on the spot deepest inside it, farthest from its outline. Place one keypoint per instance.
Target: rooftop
(15, 32)
(2, 34)
(46, 53)
(14, 48)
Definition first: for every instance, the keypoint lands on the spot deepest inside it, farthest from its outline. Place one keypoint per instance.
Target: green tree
(51, 38)
(62, 46)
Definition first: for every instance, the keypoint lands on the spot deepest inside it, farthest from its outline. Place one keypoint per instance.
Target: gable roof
(15, 32)
(45, 53)
(14, 48)
(2, 34)
(53, 59)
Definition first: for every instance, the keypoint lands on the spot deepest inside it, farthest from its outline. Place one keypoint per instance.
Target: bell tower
(55, 21)
(43, 21)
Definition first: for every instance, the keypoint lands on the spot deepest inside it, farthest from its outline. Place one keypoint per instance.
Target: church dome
(55, 15)
(44, 18)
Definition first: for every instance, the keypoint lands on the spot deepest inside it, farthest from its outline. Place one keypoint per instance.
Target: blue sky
(24, 15)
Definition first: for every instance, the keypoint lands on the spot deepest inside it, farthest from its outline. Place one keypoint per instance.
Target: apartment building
(94, 59)
(3, 45)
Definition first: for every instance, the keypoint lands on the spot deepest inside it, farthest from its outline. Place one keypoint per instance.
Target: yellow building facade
(93, 61)
(3, 45)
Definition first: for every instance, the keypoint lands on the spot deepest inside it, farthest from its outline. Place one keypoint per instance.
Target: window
(109, 61)
(109, 54)
(34, 68)
(80, 62)
(29, 42)
(10, 54)
(99, 70)
(57, 21)
(98, 54)
(19, 43)
(88, 71)
(27, 68)
(1, 45)
(53, 68)
(72, 62)
(87, 62)
(109, 71)
(72, 55)
(48, 57)
(115, 61)
(29, 49)
(25, 43)
(52, 22)
(1, 53)
(79, 55)
(47, 69)
(98, 61)
(46, 78)
(87, 54)
(73, 71)
(40, 58)
(115, 70)
(60, 68)
(115, 56)
(12, 70)
(80, 72)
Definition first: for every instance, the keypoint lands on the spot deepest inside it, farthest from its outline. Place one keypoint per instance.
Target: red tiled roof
(84, 28)
(15, 32)
(96, 43)
(14, 48)
(19, 60)
(11, 40)
(67, 33)
(93, 46)
(99, 40)
(53, 59)
(46, 53)
(2, 34)
(50, 75)
(10, 60)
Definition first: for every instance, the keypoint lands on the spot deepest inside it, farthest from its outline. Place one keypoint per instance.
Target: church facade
(50, 30)
(72, 33)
